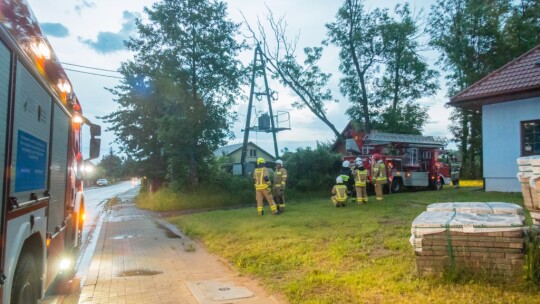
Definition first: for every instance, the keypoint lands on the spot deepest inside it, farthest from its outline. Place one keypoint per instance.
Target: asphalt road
(95, 199)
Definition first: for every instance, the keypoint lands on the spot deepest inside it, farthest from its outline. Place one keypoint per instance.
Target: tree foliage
(304, 77)
(177, 92)
(406, 77)
(383, 73)
(112, 165)
(356, 32)
(474, 39)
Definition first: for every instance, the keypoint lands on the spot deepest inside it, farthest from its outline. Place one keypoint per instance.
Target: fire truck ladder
(267, 121)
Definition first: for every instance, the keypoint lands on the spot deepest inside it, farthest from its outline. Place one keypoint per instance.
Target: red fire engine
(411, 160)
(42, 205)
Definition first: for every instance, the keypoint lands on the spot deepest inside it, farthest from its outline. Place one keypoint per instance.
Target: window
(252, 152)
(530, 137)
(426, 155)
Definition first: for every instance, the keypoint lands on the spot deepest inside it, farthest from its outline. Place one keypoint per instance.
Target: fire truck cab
(411, 160)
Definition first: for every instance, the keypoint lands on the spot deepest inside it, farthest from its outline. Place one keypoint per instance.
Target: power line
(95, 74)
(87, 67)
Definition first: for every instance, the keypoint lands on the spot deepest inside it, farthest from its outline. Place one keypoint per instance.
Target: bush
(225, 191)
(312, 169)
(311, 172)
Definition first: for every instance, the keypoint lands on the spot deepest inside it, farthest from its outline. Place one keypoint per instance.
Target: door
(5, 64)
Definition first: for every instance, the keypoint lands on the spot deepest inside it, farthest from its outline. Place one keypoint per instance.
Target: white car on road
(102, 182)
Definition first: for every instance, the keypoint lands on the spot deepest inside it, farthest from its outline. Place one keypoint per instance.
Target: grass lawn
(316, 253)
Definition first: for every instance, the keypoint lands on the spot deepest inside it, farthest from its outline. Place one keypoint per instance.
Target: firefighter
(340, 193)
(378, 176)
(360, 178)
(262, 188)
(347, 176)
(280, 178)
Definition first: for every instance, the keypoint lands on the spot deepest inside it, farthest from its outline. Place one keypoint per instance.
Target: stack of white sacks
(529, 177)
(479, 237)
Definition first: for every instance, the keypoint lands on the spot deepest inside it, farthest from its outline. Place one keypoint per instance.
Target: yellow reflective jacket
(280, 178)
(360, 177)
(258, 175)
(379, 173)
(340, 191)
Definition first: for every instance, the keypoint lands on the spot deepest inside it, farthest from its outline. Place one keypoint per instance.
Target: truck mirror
(95, 144)
(95, 130)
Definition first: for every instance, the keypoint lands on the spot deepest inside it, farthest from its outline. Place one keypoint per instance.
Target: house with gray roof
(233, 154)
(509, 99)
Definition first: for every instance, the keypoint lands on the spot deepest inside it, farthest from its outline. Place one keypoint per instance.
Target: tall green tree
(383, 72)
(181, 84)
(522, 29)
(474, 39)
(137, 119)
(406, 77)
(112, 165)
(357, 33)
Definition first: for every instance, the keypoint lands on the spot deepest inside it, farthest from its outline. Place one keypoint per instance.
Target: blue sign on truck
(31, 166)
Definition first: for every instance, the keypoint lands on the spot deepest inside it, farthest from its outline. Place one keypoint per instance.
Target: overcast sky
(90, 33)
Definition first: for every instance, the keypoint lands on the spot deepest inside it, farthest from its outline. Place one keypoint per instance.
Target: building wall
(501, 130)
(236, 156)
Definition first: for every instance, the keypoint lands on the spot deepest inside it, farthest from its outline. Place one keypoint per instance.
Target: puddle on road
(168, 232)
(126, 236)
(139, 272)
(124, 218)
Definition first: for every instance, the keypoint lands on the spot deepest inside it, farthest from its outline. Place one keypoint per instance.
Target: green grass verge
(167, 199)
(316, 253)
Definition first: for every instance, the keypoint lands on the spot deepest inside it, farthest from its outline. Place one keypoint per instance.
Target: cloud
(55, 30)
(110, 42)
(83, 4)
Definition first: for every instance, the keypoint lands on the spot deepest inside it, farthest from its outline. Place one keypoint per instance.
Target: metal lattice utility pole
(258, 65)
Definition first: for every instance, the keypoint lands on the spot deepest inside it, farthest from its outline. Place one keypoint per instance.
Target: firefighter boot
(275, 210)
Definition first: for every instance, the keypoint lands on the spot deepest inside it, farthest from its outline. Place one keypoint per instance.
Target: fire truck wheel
(437, 185)
(396, 185)
(25, 283)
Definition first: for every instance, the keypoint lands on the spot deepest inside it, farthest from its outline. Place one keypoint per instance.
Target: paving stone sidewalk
(140, 258)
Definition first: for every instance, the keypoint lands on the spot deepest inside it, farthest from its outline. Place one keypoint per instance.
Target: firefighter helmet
(339, 180)
(358, 161)
(376, 156)
(279, 162)
(346, 164)
(260, 160)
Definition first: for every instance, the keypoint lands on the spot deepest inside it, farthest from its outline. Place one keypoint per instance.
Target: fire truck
(41, 122)
(410, 160)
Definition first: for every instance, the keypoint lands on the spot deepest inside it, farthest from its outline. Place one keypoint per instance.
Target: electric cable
(95, 74)
(87, 67)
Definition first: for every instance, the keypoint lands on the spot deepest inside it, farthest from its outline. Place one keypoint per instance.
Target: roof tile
(518, 75)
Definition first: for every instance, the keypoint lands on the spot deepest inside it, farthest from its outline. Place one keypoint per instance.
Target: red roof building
(509, 99)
